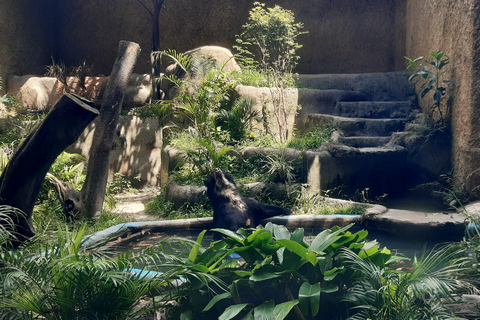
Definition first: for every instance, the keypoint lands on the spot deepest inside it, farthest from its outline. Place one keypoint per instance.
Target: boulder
(35, 93)
(138, 91)
(222, 57)
(219, 57)
(41, 93)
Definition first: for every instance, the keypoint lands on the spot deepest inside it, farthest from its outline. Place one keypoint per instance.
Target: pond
(172, 245)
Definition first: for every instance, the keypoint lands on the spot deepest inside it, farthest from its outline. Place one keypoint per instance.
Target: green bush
(277, 272)
(65, 281)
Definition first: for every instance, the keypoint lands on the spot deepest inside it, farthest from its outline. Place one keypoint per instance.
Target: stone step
(344, 169)
(324, 101)
(391, 86)
(360, 142)
(373, 109)
(356, 126)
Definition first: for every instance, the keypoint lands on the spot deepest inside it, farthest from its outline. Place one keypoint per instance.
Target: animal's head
(219, 180)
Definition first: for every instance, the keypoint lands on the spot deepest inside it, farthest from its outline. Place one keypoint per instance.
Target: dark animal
(231, 210)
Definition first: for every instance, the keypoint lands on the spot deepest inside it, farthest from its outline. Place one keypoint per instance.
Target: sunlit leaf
(309, 297)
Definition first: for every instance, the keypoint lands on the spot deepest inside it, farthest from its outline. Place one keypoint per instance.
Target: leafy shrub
(119, 184)
(277, 272)
(385, 294)
(430, 76)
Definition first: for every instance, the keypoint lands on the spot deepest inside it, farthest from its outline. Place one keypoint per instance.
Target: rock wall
(136, 151)
(344, 35)
(454, 27)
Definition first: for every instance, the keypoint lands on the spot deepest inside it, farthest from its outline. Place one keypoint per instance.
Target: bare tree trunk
(93, 190)
(157, 7)
(22, 179)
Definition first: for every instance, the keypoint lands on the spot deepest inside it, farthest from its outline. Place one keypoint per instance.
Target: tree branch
(145, 7)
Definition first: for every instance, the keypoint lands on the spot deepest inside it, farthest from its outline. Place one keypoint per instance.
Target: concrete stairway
(366, 109)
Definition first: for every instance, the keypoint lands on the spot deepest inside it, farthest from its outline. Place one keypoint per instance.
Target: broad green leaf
(325, 238)
(368, 252)
(254, 235)
(309, 297)
(261, 276)
(331, 274)
(215, 299)
(281, 311)
(300, 250)
(230, 234)
(264, 311)
(395, 259)
(329, 288)
(198, 267)
(291, 261)
(281, 232)
(279, 254)
(194, 252)
(249, 316)
(232, 311)
(343, 240)
(362, 234)
(243, 273)
(298, 235)
(293, 246)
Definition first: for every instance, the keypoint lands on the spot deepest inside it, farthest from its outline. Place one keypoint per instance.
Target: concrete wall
(344, 35)
(453, 27)
(26, 36)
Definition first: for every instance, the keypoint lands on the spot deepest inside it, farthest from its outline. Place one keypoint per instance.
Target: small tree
(269, 43)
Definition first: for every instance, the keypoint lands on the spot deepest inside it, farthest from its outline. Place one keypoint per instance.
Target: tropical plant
(269, 43)
(65, 281)
(7, 226)
(208, 156)
(239, 120)
(429, 74)
(163, 110)
(279, 168)
(267, 273)
(420, 294)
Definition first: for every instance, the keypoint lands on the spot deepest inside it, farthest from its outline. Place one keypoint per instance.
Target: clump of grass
(311, 140)
(314, 203)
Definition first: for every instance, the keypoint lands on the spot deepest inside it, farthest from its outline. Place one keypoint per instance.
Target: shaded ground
(132, 205)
